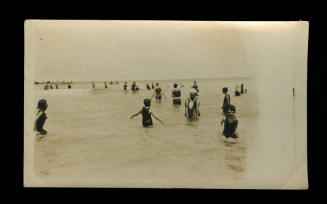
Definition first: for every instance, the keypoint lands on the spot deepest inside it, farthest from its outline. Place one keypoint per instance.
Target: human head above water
(175, 85)
(231, 109)
(147, 102)
(42, 104)
(225, 89)
(157, 84)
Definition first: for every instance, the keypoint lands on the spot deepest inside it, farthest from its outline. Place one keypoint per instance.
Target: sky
(149, 50)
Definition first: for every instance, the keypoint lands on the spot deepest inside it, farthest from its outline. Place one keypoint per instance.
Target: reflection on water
(91, 135)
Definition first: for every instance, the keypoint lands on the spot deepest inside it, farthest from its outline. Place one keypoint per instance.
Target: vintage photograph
(164, 104)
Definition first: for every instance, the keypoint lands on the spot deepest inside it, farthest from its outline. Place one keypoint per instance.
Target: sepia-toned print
(164, 104)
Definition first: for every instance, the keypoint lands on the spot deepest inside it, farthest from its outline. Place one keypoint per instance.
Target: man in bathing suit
(176, 95)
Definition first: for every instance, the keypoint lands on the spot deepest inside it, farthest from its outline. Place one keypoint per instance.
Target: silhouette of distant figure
(237, 92)
(133, 86)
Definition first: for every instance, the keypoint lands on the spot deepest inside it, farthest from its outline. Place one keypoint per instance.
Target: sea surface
(91, 135)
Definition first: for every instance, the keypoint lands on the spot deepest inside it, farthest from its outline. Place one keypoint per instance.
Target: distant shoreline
(155, 80)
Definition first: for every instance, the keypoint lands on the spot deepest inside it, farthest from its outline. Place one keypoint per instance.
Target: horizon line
(226, 77)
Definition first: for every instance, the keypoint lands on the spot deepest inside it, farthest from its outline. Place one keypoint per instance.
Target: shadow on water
(192, 122)
(235, 156)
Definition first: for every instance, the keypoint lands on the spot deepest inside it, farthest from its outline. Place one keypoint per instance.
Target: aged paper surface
(91, 140)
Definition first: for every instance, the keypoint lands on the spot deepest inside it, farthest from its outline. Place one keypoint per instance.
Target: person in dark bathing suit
(152, 86)
(148, 87)
(41, 117)
(125, 86)
(146, 114)
(230, 123)
(158, 93)
(226, 100)
(176, 95)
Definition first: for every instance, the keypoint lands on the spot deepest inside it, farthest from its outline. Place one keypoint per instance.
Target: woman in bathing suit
(146, 114)
(41, 117)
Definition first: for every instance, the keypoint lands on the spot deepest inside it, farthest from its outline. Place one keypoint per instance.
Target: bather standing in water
(176, 95)
(158, 93)
(41, 117)
(192, 105)
(146, 114)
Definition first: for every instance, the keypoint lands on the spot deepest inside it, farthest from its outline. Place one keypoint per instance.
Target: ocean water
(91, 135)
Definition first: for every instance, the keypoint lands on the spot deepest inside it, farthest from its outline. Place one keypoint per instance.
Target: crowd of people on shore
(192, 106)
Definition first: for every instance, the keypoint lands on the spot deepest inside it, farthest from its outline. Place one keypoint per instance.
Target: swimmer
(93, 85)
(230, 123)
(56, 86)
(192, 105)
(242, 88)
(146, 114)
(105, 85)
(137, 88)
(226, 101)
(125, 86)
(158, 93)
(69, 86)
(176, 95)
(41, 117)
(152, 85)
(51, 86)
(148, 87)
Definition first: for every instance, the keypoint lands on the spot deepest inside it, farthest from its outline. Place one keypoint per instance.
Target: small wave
(54, 92)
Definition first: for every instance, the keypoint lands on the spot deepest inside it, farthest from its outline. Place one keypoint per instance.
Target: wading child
(226, 101)
(41, 117)
(230, 123)
(146, 114)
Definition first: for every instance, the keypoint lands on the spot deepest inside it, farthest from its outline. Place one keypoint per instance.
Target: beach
(91, 136)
